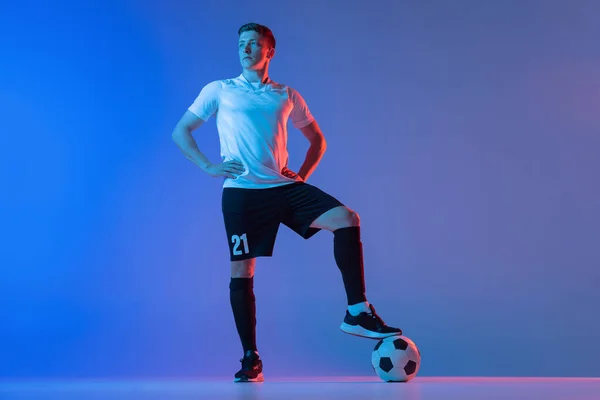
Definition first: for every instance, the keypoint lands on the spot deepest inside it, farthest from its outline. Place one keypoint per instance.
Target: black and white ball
(396, 359)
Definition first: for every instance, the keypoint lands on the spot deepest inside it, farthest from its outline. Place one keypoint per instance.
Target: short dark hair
(264, 31)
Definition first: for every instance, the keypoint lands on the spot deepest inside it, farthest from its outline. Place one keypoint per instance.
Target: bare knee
(346, 217)
(243, 268)
(336, 218)
(353, 218)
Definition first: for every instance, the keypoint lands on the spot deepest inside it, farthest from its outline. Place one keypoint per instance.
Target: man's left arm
(315, 152)
(303, 120)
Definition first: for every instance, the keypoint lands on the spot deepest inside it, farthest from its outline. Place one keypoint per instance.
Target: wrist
(204, 166)
(302, 174)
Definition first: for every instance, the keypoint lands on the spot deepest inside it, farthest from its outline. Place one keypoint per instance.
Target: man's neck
(256, 76)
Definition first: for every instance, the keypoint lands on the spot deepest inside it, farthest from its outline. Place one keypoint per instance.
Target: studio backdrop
(465, 134)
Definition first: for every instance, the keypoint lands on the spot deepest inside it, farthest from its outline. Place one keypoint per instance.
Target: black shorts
(252, 216)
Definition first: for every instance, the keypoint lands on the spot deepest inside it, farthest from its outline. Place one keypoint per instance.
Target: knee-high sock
(243, 305)
(347, 250)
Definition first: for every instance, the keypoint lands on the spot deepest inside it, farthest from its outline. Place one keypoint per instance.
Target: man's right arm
(182, 136)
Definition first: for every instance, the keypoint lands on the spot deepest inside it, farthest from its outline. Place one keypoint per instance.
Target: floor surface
(420, 388)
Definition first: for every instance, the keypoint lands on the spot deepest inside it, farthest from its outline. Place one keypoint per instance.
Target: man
(260, 192)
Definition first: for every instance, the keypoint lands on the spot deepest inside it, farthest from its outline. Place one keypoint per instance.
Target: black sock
(347, 250)
(243, 305)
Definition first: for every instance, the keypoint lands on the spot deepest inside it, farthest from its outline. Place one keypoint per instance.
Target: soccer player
(260, 192)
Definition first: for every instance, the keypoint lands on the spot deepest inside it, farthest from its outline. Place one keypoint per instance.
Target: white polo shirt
(252, 125)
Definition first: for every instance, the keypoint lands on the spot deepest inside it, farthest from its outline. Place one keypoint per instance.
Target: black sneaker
(368, 325)
(251, 368)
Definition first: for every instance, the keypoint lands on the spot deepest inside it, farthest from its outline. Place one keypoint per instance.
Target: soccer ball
(396, 359)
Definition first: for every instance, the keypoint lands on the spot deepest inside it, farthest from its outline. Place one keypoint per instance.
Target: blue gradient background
(465, 134)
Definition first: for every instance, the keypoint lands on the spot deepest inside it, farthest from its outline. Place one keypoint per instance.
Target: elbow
(320, 143)
(178, 133)
(176, 138)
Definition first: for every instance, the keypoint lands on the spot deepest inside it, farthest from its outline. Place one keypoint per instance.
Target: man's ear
(271, 53)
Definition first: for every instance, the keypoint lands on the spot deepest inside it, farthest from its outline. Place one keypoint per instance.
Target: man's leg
(361, 318)
(243, 305)
(251, 224)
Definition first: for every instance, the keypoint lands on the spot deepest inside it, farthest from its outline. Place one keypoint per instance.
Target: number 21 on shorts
(237, 240)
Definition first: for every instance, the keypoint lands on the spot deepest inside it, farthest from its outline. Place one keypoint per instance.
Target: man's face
(254, 51)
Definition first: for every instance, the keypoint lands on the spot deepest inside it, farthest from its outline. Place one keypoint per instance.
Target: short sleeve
(300, 115)
(207, 102)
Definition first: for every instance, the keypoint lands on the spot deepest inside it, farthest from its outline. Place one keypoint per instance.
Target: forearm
(188, 146)
(313, 157)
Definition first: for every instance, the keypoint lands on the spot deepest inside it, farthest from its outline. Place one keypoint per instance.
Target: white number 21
(236, 240)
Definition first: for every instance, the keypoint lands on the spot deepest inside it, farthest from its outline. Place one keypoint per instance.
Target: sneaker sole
(357, 330)
(259, 378)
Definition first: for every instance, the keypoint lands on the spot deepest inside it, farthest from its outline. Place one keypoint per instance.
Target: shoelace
(377, 319)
